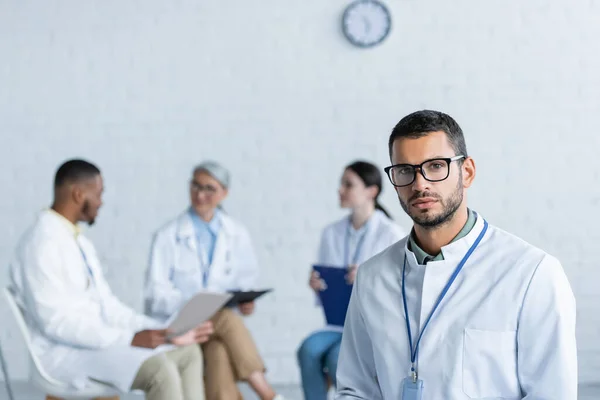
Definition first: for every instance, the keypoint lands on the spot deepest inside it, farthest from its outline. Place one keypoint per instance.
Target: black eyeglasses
(197, 188)
(434, 170)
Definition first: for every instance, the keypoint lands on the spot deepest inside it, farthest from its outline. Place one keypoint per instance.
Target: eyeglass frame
(448, 160)
(196, 187)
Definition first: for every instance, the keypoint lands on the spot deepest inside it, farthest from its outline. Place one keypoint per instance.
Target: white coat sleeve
(116, 313)
(546, 345)
(161, 297)
(246, 262)
(64, 318)
(356, 375)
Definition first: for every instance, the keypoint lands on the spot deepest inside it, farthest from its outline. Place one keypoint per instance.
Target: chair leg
(7, 383)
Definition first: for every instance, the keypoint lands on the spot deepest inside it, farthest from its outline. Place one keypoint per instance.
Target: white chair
(54, 389)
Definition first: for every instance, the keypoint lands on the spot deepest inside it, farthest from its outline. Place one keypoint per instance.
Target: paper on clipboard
(197, 310)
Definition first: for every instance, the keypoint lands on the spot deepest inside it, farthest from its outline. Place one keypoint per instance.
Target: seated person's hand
(246, 308)
(204, 332)
(351, 275)
(197, 335)
(150, 338)
(315, 282)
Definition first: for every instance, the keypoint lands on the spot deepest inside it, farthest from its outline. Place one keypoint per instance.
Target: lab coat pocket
(490, 364)
(186, 279)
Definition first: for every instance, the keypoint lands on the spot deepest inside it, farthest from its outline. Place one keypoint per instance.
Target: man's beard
(85, 211)
(449, 207)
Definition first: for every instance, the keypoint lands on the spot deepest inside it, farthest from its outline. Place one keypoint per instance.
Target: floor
(23, 391)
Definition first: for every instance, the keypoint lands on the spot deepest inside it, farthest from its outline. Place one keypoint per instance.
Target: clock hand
(367, 24)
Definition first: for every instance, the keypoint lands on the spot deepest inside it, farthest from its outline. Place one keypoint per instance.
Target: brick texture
(271, 89)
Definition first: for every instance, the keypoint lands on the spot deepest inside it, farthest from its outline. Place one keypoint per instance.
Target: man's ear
(77, 194)
(468, 171)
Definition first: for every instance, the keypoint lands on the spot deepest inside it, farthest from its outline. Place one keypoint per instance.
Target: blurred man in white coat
(459, 309)
(80, 330)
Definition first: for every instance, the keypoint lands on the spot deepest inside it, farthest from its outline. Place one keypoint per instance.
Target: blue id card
(412, 390)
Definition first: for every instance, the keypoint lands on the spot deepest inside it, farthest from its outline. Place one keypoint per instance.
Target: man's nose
(420, 184)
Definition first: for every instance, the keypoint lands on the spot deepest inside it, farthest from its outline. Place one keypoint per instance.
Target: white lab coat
(505, 330)
(79, 329)
(380, 233)
(174, 273)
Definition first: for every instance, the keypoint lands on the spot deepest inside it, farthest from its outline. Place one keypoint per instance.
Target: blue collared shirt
(206, 236)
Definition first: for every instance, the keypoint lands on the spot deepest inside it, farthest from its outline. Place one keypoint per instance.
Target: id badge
(412, 390)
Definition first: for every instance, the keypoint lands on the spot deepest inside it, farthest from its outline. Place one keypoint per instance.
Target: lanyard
(204, 263)
(85, 260)
(413, 353)
(205, 273)
(359, 245)
(207, 265)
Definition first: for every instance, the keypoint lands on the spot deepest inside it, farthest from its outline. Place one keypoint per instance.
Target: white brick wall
(148, 88)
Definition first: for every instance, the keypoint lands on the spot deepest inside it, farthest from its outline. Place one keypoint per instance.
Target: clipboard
(197, 310)
(240, 296)
(336, 295)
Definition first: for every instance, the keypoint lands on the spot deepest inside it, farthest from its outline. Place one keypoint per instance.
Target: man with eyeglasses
(459, 309)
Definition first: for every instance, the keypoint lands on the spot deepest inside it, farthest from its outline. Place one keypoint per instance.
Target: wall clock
(366, 23)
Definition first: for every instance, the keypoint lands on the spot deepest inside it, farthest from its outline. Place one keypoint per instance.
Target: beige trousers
(173, 375)
(230, 356)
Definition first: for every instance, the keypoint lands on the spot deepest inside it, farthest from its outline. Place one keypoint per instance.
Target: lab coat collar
(60, 222)
(185, 225)
(452, 252)
(73, 228)
(411, 258)
(369, 226)
(213, 226)
(457, 249)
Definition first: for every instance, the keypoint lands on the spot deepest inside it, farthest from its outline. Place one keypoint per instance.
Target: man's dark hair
(421, 123)
(74, 171)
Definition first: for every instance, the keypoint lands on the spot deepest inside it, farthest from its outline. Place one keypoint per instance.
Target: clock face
(366, 23)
